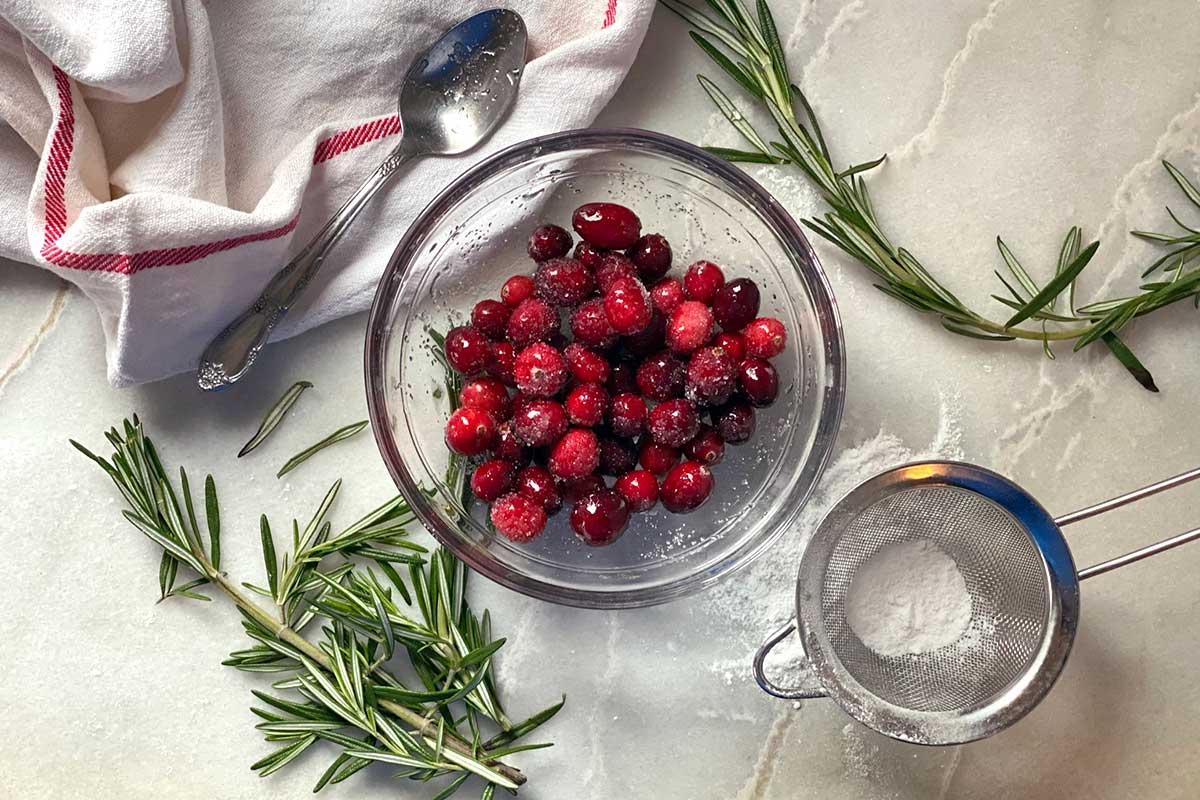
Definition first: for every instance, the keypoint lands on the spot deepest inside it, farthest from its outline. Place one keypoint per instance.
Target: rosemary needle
(333, 438)
(275, 416)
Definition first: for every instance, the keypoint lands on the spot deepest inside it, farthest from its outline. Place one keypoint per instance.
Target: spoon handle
(231, 353)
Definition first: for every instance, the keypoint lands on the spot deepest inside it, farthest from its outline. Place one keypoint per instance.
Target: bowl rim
(765, 205)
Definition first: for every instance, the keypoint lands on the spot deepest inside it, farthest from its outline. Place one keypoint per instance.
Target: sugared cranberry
(639, 488)
(600, 518)
(467, 350)
(667, 294)
(491, 317)
(538, 485)
(541, 371)
(587, 404)
(470, 431)
(532, 321)
(765, 337)
(575, 455)
(589, 254)
(586, 366)
(590, 325)
(488, 394)
(563, 281)
(650, 339)
(627, 415)
(759, 381)
(617, 456)
(508, 447)
(500, 366)
(708, 447)
(517, 290)
(657, 458)
(702, 281)
(731, 343)
(673, 423)
(661, 377)
(547, 242)
(607, 225)
(711, 376)
(735, 422)
(627, 305)
(540, 423)
(573, 491)
(611, 267)
(492, 479)
(735, 304)
(651, 254)
(519, 402)
(689, 327)
(686, 487)
(623, 378)
(518, 518)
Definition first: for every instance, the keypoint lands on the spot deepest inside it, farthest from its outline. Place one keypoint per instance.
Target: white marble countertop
(998, 117)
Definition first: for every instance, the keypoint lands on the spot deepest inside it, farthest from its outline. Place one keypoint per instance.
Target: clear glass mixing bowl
(472, 237)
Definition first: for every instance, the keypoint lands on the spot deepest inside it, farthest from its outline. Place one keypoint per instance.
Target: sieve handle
(810, 687)
(1139, 554)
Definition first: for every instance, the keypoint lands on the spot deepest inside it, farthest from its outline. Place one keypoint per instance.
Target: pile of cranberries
(649, 357)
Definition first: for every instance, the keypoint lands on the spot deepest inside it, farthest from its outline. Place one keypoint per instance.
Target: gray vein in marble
(768, 757)
(846, 17)
(23, 358)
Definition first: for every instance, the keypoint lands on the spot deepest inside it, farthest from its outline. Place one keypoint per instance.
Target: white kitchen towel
(168, 156)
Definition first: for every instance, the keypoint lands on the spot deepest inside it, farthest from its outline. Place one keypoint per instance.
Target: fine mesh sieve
(1019, 574)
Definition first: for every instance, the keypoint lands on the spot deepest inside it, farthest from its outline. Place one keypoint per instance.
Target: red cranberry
(689, 327)
(735, 422)
(657, 458)
(517, 518)
(731, 343)
(651, 255)
(759, 381)
(611, 267)
(673, 423)
(540, 423)
(492, 479)
(574, 491)
(607, 225)
(508, 447)
(488, 394)
(667, 294)
(711, 376)
(467, 350)
(541, 371)
(589, 254)
(617, 456)
(532, 321)
(650, 339)
(600, 518)
(491, 317)
(639, 488)
(661, 377)
(627, 415)
(623, 379)
(627, 306)
(517, 290)
(735, 304)
(547, 242)
(519, 402)
(563, 281)
(576, 455)
(702, 281)
(586, 404)
(538, 485)
(708, 447)
(765, 337)
(500, 366)
(686, 487)
(470, 431)
(590, 325)
(585, 365)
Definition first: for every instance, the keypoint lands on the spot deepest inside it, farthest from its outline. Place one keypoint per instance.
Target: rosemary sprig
(275, 416)
(335, 685)
(339, 435)
(747, 47)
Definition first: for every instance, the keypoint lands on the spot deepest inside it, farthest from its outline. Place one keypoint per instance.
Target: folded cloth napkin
(168, 156)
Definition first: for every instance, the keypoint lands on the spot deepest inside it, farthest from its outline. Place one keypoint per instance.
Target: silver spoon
(452, 97)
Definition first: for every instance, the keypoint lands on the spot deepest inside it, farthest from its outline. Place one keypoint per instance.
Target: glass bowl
(472, 237)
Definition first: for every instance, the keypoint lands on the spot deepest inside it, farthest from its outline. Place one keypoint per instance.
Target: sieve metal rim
(1020, 697)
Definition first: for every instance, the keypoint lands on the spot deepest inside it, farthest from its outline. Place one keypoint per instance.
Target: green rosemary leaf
(339, 435)
(708, 25)
(269, 560)
(1129, 361)
(770, 35)
(864, 167)
(452, 787)
(731, 113)
(525, 727)
(1014, 266)
(974, 333)
(281, 758)
(275, 416)
(213, 517)
(1066, 255)
(735, 71)
(489, 792)
(1181, 224)
(394, 577)
(503, 752)
(167, 568)
(1188, 188)
(1052, 289)
(481, 654)
(1155, 237)
(734, 155)
(1112, 321)
(328, 774)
